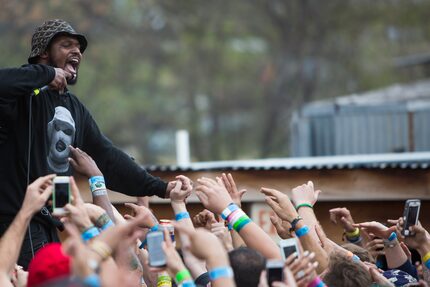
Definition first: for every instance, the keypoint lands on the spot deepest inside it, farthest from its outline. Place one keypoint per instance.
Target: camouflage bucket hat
(47, 31)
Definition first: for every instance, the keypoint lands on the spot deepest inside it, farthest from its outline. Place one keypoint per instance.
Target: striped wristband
(238, 219)
(426, 260)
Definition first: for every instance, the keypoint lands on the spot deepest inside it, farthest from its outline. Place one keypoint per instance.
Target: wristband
(242, 224)
(294, 223)
(392, 236)
(302, 231)
(155, 228)
(89, 233)
(317, 282)
(182, 276)
(101, 248)
(97, 183)
(220, 272)
(107, 225)
(238, 219)
(229, 210)
(188, 283)
(304, 205)
(181, 216)
(353, 234)
(164, 280)
(355, 240)
(426, 260)
(92, 281)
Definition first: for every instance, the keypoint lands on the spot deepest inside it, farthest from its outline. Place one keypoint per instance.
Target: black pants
(41, 234)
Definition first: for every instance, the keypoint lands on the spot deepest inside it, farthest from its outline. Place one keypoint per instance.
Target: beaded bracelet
(220, 272)
(182, 215)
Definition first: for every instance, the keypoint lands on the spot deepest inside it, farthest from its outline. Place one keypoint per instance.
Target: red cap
(48, 264)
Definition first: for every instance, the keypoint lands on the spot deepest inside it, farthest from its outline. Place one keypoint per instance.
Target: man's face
(64, 52)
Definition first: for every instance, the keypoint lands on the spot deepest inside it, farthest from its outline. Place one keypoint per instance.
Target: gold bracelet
(101, 248)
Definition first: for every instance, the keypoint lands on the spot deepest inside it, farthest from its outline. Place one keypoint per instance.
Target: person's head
(57, 44)
(343, 272)
(247, 265)
(362, 253)
(49, 264)
(61, 134)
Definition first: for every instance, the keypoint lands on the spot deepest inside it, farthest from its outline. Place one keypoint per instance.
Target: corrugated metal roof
(416, 160)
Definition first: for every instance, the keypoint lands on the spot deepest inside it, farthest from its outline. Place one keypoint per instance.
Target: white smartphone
(288, 247)
(60, 194)
(274, 271)
(410, 215)
(157, 258)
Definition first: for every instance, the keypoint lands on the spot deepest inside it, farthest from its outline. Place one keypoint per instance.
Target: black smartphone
(157, 258)
(274, 271)
(60, 194)
(410, 215)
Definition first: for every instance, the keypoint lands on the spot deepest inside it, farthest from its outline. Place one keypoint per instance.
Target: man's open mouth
(72, 65)
(60, 146)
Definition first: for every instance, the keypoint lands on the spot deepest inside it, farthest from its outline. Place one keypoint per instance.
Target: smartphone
(157, 258)
(410, 215)
(274, 271)
(60, 194)
(288, 247)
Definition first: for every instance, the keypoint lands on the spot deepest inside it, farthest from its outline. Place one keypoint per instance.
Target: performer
(58, 119)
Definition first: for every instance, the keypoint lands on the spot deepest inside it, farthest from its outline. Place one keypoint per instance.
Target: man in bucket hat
(56, 53)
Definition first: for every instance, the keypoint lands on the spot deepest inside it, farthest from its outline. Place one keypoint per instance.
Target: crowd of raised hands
(220, 246)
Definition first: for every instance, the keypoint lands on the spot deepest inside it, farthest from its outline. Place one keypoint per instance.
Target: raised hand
(280, 203)
(83, 163)
(59, 83)
(204, 219)
(147, 218)
(305, 194)
(221, 231)
(77, 212)
(178, 195)
(282, 227)
(231, 187)
(343, 217)
(213, 194)
(38, 193)
(376, 228)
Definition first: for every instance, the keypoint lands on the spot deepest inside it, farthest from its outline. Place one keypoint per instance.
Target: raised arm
(10, 244)
(215, 197)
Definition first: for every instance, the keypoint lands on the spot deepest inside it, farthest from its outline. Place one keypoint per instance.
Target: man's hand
(305, 193)
(204, 219)
(38, 193)
(77, 211)
(282, 227)
(59, 83)
(83, 163)
(147, 217)
(187, 185)
(179, 195)
(280, 203)
(377, 228)
(213, 194)
(342, 216)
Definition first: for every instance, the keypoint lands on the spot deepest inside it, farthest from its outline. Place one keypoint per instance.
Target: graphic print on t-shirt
(61, 134)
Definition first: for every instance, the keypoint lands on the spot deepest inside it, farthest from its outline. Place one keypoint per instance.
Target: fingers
(270, 191)
(76, 196)
(133, 206)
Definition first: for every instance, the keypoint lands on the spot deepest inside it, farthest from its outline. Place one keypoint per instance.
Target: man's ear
(44, 55)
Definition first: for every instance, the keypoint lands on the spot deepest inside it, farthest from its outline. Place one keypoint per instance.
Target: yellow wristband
(426, 257)
(353, 234)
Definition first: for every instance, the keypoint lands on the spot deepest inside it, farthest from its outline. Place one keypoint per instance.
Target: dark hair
(247, 265)
(343, 272)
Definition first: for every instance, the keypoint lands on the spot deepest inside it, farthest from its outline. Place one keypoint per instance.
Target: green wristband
(182, 275)
(303, 205)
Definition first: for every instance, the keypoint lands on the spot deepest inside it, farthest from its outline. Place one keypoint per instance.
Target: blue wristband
(97, 183)
(230, 227)
(427, 264)
(181, 216)
(243, 224)
(220, 272)
(92, 281)
(189, 283)
(302, 231)
(393, 236)
(90, 233)
(107, 225)
(229, 210)
(155, 228)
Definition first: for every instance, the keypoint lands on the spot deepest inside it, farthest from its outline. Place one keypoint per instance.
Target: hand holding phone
(274, 271)
(288, 247)
(157, 258)
(410, 215)
(60, 194)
